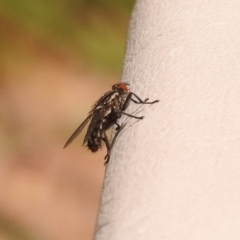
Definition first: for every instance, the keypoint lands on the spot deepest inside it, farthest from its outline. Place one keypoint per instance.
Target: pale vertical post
(175, 174)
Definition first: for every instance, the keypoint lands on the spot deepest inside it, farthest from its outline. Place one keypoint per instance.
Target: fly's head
(121, 88)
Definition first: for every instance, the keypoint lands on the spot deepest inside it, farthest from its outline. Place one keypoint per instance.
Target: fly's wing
(100, 109)
(78, 130)
(94, 124)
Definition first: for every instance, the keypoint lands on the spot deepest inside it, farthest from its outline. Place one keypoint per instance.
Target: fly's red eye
(123, 87)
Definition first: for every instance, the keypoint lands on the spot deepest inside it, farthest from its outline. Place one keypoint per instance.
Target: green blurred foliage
(12, 230)
(91, 31)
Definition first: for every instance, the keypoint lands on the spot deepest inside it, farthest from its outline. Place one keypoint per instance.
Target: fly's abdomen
(95, 141)
(94, 144)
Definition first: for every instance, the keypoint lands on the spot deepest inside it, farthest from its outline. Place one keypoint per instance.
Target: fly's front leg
(127, 101)
(126, 104)
(140, 101)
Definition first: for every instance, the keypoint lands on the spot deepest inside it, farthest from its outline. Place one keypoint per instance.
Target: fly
(104, 114)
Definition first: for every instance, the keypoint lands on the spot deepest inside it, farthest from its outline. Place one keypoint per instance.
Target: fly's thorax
(113, 97)
(120, 102)
(113, 102)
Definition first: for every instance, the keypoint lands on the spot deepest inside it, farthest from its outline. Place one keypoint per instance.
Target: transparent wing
(94, 125)
(78, 130)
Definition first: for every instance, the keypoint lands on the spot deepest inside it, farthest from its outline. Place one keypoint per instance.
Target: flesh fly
(104, 114)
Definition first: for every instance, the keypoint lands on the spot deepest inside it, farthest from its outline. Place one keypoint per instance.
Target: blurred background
(56, 59)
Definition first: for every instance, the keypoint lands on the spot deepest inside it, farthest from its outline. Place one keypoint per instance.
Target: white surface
(176, 174)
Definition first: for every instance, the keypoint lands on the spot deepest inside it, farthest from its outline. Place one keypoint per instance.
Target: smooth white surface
(176, 174)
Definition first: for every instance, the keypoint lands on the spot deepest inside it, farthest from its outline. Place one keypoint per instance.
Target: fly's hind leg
(110, 146)
(118, 126)
(106, 140)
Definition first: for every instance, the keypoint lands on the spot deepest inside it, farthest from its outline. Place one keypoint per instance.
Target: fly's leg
(110, 146)
(118, 126)
(105, 139)
(107, 157)
(129, 115)
(127, 101)
(140, 101)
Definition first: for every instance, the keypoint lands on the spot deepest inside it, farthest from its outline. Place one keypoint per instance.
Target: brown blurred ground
(47, 192)
(56, 60)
